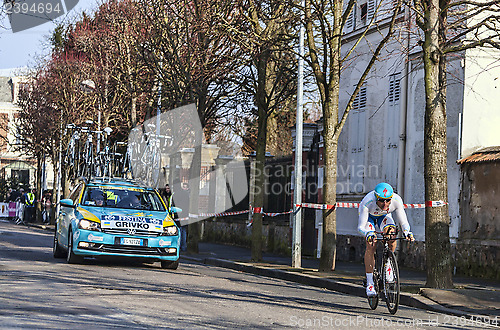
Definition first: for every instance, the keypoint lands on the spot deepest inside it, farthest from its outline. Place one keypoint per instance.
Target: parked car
(116, 217)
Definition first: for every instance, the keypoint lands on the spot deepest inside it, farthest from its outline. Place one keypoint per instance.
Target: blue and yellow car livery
(116, 218)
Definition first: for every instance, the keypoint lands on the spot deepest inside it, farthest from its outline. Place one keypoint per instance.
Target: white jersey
(368, 208)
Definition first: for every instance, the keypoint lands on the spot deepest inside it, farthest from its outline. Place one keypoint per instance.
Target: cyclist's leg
(389, 226)
(370, 259)
(370, 247)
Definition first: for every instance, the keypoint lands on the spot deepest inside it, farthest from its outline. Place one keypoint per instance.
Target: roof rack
(118, 179)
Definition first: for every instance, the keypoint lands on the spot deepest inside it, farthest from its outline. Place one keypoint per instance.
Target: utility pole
(158, 122)
(297, 193)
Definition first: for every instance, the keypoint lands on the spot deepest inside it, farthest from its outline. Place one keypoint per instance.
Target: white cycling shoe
(370, 290)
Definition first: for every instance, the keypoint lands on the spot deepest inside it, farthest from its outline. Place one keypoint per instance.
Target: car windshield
(122, 198)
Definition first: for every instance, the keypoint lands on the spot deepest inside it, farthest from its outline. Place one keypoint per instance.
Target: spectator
(183, 197)
(182, 201)
(166, 194)
(14, 195)
(7, 196)
(29, 206)
(47, 205)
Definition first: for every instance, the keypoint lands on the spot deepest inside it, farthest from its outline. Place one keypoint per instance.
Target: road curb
(406, 299)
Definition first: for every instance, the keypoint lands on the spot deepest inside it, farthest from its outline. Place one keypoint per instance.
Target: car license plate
(131, 241)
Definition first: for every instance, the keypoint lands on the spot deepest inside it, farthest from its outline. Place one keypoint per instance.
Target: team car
(116, 218)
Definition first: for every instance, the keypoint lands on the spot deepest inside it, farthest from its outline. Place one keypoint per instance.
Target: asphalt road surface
(38, 291)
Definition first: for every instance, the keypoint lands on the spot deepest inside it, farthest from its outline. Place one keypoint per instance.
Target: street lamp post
(297, 210)
(158, 122)
(89, 86)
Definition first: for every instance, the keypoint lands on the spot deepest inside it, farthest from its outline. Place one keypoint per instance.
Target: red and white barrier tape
(259, 210)
(316, 206)
(356, 205)
(274, 214)
(311, 206)
(208, 215)
(426, 204)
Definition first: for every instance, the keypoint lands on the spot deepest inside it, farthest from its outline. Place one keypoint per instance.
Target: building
(14, 163)
(479, 235)
(383, 140)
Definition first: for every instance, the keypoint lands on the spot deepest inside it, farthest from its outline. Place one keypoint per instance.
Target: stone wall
(352, 248)
(476, 251)
(477, 260)
(469, 259)
(234, 230)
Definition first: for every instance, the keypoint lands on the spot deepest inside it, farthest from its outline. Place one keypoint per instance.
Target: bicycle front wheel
(390, 281)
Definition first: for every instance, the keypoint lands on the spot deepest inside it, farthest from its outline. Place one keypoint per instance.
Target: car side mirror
(67, 202)
(175, 209)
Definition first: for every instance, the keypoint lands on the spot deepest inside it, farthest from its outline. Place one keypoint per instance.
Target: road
(38, 291)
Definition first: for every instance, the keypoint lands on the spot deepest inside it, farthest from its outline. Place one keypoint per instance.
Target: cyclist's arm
(363, 220)
(403, 220)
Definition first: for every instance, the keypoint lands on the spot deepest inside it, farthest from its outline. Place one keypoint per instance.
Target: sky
(22, 49)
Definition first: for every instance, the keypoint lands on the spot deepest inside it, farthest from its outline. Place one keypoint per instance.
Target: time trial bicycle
(386, 274)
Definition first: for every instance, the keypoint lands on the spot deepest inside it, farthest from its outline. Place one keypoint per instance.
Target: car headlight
(170, 231)
(89, 225)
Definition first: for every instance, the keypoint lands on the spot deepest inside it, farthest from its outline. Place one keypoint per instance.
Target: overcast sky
(22, 48)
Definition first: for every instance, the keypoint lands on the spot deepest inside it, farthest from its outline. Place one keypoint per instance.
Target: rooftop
(489, 154)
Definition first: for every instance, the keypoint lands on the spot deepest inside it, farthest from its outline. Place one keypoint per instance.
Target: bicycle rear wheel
(390, 281)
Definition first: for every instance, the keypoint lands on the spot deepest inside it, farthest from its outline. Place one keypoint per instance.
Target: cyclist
(375, 211)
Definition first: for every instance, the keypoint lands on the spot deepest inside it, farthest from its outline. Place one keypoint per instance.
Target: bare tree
(325, 22)
(447, 27)
(191, 47)
(272, 82)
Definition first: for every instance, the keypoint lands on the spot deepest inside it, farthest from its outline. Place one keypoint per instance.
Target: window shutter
(357, 135)
(350, 23)
(391, 138)
(372, 5)
(394, 88)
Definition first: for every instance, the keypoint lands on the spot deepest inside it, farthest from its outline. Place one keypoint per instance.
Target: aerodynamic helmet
(384, 190)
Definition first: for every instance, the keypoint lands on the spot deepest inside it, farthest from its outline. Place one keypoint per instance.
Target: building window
(394, 88)
(367, 11)
(364, 12)
(360, 100)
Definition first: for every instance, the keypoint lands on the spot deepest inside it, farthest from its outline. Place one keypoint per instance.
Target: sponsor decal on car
(131, 222)
(164, 243)
(95, 238)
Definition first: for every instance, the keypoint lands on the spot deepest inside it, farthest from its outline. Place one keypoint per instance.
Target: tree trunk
(272, 135)
(260, 157)
(53, 214)
(133, 112)
(329, 247)
(194, 228)
(437, 237)
(260, 160)
(65, 182)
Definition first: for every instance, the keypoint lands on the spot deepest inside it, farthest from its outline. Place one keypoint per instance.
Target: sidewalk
(472, 298)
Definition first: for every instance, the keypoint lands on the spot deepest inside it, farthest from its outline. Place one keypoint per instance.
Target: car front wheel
(71, 257)
(166, 264)
(57, 251)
